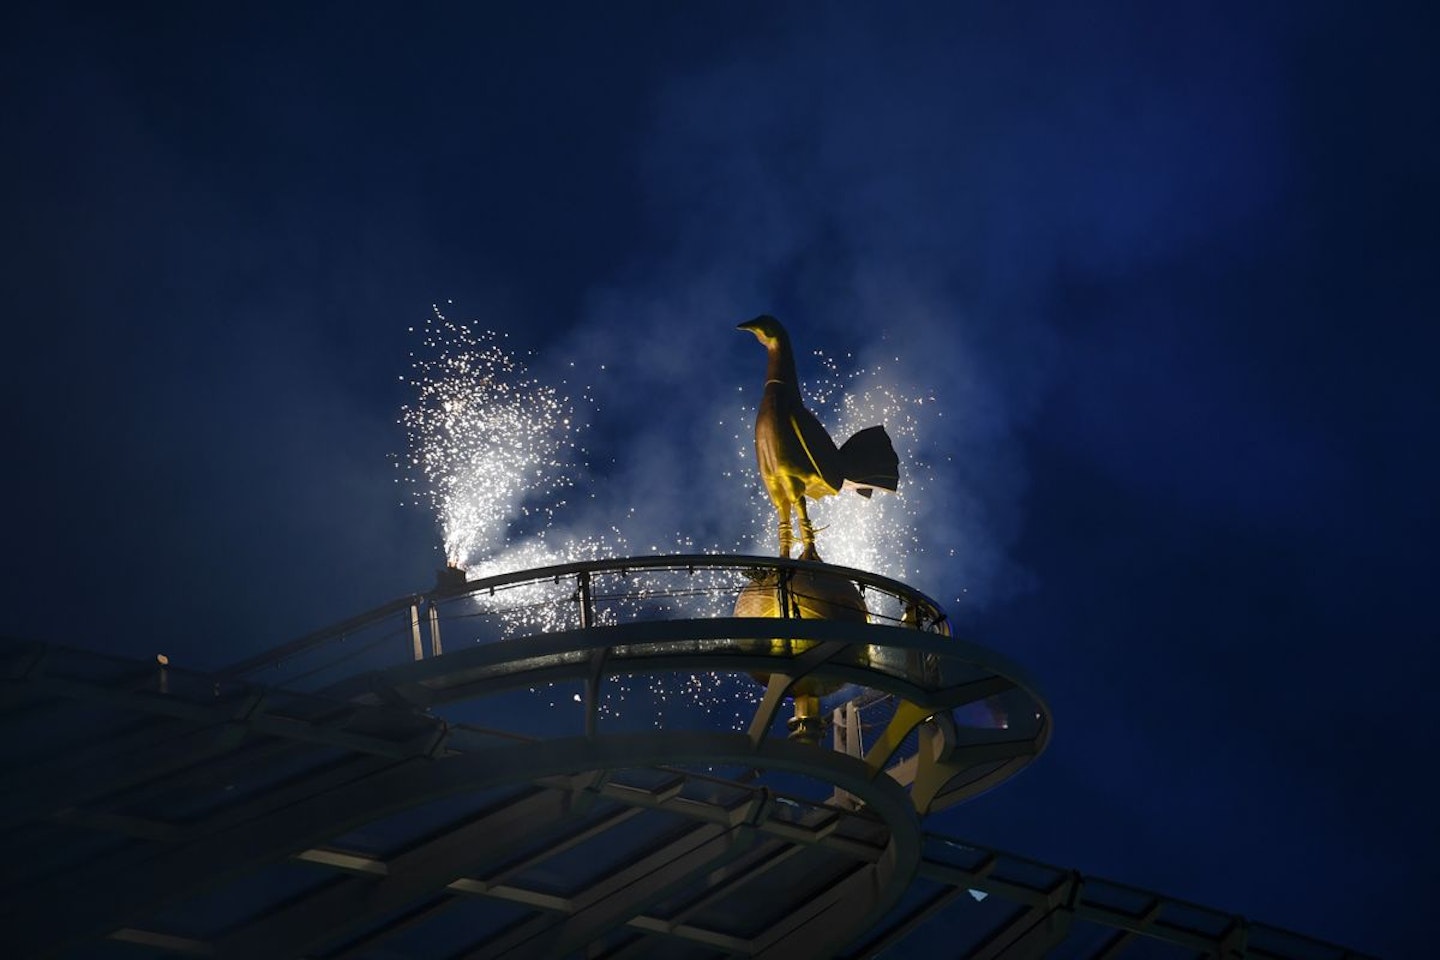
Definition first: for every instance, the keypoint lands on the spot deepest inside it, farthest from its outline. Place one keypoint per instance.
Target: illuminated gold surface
(810, 596)
(807, 724)
(796, 456)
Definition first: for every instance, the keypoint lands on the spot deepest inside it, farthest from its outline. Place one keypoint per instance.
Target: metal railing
(584, 594)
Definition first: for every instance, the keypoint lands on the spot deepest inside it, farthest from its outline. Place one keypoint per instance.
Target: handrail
(690, 561)
(932, 614)
(316, 638)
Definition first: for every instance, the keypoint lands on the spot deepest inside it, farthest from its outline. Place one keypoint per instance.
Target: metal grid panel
(188, 759)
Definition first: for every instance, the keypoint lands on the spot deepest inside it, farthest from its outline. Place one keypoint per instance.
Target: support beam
(420, 872)
(184, 946)
(1035, 930)
(622, 898)
(364, 947)
(108, 767)
(822, 925)
(780, 684)
(912, 922)
(1117, 943)
(95, 905)
(907, 717)
(646, 946)
(559, 847)
(625, 894)
(769, 705)
(731, 878)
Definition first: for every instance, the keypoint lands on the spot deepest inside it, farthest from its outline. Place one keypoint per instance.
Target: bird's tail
(869, 462)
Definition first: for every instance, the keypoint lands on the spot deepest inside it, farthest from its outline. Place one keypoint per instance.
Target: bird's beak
(759, 326)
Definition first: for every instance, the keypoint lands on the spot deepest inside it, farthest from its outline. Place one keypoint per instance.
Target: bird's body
(796, 456)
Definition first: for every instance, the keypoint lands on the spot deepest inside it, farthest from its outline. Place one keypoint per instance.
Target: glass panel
(963, 926)
(391, 836)
(1127, 900)
(678, 700)
(916, 896)
(1147, 948)
(1084, 942)
(466, 922)
(212, 912)
(1210, 923)
(544, 710)
(1272, 940)
(955, 853)
(571, 872)
(1027, 873)
(774, 894)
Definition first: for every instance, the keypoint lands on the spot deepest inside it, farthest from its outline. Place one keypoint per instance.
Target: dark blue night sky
(1187, 254)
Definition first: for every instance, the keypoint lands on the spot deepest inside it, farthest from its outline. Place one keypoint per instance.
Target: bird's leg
(786, 537)
(807, 530)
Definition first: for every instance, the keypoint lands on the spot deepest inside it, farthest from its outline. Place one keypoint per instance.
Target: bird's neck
(781, 366)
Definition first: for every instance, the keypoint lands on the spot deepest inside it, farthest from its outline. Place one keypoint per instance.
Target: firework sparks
(494, 452)
(490, 449)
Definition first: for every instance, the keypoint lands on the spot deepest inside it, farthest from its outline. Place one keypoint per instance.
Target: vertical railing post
(597, 657)
(417, 649)
(435, 648)
(782, 590)
(782, 577)
(587, 605)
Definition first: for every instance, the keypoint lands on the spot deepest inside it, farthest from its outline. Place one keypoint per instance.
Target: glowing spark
(485, 440)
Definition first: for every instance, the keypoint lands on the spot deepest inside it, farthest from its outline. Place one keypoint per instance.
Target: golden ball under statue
(812, 595)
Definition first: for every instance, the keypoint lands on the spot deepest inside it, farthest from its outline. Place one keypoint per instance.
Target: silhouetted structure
(513, 792)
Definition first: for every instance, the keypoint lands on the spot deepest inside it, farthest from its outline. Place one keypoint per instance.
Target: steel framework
(344, 808)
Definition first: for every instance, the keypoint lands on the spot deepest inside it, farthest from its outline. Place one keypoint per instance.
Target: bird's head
(766, 329)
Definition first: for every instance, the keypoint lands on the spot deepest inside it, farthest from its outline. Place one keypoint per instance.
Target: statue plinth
(807, 595)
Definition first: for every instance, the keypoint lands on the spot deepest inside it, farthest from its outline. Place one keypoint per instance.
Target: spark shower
(496, 453)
